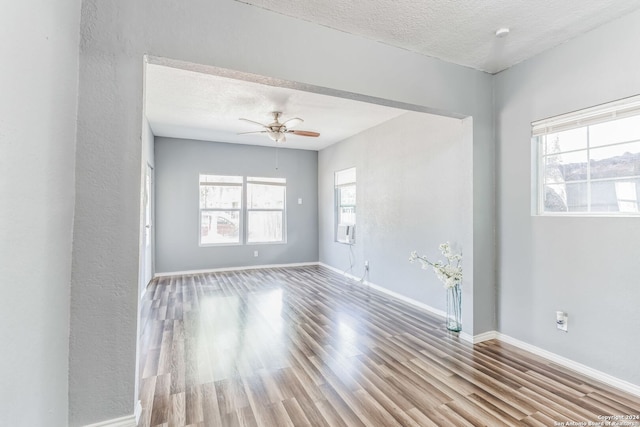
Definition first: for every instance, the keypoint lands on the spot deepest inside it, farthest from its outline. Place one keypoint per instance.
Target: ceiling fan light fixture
(275, 136)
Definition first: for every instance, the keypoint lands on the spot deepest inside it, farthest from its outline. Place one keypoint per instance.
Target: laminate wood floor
(301, 347)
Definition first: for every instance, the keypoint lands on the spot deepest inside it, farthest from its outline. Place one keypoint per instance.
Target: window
(588, 162)
(266, 209)
(220, 209)
(223, 213)
(345, 197)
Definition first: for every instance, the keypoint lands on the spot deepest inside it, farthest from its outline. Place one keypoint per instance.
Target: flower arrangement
(450, 274)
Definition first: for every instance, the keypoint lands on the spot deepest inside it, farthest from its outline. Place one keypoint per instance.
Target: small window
(220, 209)
(588, 162)
(345, 197)
(266, 200)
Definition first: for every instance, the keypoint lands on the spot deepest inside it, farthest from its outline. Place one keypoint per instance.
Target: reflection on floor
(302, 347)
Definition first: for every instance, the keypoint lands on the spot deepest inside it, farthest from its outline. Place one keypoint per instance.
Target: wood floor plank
(160, 403)
(193, 405)
(177, 411)
(303, 346)
(343, 409)
(246, 417)
(147, 390)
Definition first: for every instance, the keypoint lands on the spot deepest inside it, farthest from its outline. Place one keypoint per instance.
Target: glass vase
(454, 308)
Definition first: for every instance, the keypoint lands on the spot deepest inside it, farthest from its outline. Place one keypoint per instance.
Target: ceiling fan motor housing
(276, 131)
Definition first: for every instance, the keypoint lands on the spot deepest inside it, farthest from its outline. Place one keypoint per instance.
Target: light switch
(300, 200)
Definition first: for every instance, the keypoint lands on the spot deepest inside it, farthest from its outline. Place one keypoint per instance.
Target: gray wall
(178, 165)
(414, 191)
(115, 36)
(39, 76)
(585, 266)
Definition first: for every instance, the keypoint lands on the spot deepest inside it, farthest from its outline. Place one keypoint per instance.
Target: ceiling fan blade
(304, 133)
(291, 123)
(252, 121)
(255, 131)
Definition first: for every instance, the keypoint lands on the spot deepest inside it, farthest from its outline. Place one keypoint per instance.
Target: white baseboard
(217, 270)
(571, 364)
(128, 421)
(466, 337)
(485, 336)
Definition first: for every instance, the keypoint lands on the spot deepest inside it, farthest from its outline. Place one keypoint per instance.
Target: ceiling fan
(277, 130)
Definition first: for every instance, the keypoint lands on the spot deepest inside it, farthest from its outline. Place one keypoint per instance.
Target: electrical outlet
(366, 265)
(562, 320)
(255, 253)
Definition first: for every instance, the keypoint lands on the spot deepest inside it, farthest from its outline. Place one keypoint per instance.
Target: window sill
(586, 215)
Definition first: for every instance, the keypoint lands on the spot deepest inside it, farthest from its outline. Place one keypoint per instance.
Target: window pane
(622, 130)
(577, 197)
(574, 139)
(265, 227)
(347, 215)
(565, 167)
(219, 227)
(265, 196)
(348, 195)
(615, 196)
(555, 198)
(220, 197)
(616, 161)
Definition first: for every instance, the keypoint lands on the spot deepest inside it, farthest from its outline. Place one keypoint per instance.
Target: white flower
(450, 274)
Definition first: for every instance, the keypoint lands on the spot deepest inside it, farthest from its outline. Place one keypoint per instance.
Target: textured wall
(414, 191)
(115, 36)
(587, 267)
(39, 77)
(178, 165)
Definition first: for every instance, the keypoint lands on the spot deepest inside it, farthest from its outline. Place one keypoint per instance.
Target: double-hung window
(266, 199)
(220, 209)
(237, 211)
(588, 162)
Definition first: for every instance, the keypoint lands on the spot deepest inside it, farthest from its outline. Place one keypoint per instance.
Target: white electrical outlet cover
(561, 320)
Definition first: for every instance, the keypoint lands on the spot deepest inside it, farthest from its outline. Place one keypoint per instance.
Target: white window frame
(339, 185)
(276, 182)
(240, 210)
(616, 110)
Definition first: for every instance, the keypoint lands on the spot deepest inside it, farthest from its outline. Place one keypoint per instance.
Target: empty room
(279, 213)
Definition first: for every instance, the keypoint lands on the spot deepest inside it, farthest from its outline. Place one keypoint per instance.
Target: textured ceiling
(187, 104)
(460, 31)
(184, 103)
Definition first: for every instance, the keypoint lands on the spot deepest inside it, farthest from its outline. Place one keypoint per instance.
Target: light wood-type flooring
(301, 347)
